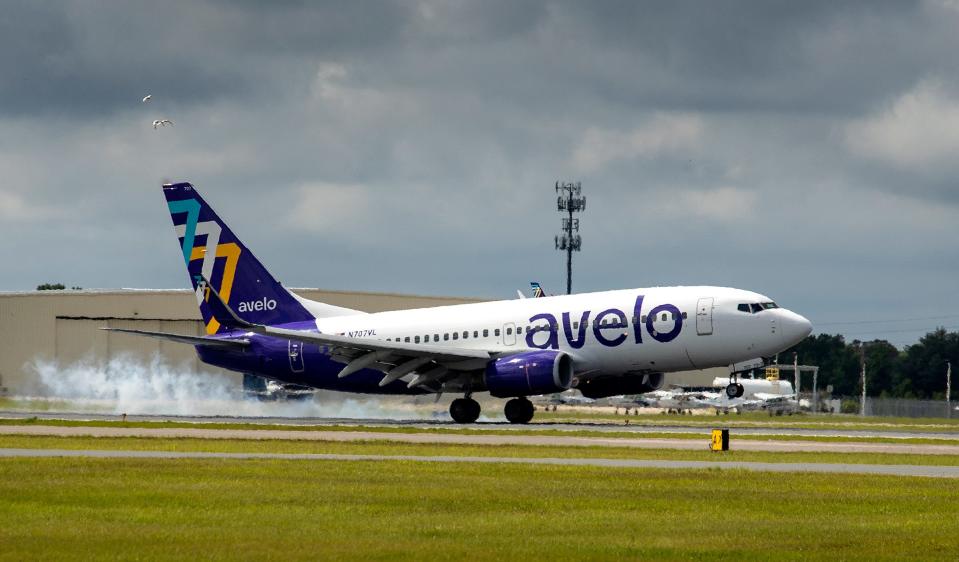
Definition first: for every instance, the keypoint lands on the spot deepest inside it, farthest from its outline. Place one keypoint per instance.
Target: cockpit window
(754, 307)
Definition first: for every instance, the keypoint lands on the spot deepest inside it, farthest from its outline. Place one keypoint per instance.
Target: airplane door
(296, 356)
(509, 334)
(704, 316)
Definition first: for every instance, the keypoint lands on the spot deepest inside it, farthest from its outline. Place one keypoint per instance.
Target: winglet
(222, 311)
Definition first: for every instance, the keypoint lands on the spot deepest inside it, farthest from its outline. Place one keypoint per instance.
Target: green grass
(67, 509)
(392, 448)
(34, 405)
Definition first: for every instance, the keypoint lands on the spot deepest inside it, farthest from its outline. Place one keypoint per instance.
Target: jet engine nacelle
(601, 387)
(529, 374)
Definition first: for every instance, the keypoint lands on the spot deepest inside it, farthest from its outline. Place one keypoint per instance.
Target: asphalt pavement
(635, 426)
(474, 439)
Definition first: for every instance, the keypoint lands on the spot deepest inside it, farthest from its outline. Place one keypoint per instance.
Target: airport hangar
(64, 327)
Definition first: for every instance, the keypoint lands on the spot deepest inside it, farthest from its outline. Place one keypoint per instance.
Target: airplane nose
(795, 328)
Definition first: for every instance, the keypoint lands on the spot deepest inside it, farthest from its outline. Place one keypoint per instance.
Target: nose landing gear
(734, 389)
(464, 410)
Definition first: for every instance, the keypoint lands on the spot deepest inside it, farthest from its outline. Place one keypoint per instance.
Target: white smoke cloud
(125, 384)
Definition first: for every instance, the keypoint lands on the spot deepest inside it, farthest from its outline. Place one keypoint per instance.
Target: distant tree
(924, 364)
(838, 362)
(917, 372)
(883, 368)
(56, 287)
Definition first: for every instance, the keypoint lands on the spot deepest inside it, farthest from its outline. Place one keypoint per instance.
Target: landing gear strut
(464, 410)
(734, 389)
(519, 410)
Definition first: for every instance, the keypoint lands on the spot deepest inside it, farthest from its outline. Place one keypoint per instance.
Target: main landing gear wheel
(519, 410)
(464, 410)
(734, 390)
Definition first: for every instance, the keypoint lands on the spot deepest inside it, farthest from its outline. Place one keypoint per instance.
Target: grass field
(35, 405)
(74, 508)
(63, 509)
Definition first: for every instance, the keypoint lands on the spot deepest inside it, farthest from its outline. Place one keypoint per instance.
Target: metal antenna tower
(570, 200)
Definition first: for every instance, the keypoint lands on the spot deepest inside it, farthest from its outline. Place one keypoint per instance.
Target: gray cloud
(802, 149)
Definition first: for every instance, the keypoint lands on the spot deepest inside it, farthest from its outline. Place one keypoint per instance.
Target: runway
(473, 439)
(635, 426)
(875, 469)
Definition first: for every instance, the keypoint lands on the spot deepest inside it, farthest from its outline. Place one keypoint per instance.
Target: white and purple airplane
(604, 344)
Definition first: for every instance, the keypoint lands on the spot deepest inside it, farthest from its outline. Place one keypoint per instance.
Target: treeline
(55, 287)
(919, 371)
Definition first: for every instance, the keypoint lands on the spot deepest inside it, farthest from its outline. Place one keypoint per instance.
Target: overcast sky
(805, 150)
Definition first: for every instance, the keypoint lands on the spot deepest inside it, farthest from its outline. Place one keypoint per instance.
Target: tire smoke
(126, 384)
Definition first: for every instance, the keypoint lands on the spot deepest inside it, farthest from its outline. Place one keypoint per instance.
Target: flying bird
(147, 98)
(161, 123)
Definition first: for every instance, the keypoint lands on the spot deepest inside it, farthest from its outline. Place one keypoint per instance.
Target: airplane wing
(395, 359)
(769, 397)
(180, 338)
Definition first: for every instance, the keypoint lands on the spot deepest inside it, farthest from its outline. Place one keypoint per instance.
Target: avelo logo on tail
(190, 230)
(258, 305)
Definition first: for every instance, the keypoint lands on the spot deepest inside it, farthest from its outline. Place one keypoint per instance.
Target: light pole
(862, 359)
(796, 375)
(948, 389)
(815, 389)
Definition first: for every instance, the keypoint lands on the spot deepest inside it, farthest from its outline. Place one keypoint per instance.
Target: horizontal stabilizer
(181, 338)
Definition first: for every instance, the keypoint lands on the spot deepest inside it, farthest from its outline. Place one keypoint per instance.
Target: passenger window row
(520, 329)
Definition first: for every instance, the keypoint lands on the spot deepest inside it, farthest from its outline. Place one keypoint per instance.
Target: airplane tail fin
(211, 251)
(537, 290)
